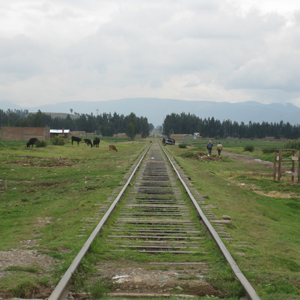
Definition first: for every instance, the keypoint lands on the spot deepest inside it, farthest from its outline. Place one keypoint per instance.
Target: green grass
(22, 285)
(100, 288)
(50, 191)
(24, 269)
(270, 225)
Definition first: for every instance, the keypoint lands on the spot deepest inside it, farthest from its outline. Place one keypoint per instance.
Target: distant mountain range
(156, 109)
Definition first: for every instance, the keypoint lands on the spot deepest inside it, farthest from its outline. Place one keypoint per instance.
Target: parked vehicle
(170, 141)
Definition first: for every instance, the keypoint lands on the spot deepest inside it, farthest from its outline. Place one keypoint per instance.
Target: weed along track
(155, 243)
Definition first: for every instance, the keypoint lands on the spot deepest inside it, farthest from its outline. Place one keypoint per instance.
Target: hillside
(156, 109)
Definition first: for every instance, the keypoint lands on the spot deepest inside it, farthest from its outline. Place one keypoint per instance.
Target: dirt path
(248, 159)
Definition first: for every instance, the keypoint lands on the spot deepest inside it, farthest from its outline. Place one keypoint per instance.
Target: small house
(59, 133)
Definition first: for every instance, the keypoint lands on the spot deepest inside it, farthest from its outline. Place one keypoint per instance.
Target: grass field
(52, 190)
(265, 215)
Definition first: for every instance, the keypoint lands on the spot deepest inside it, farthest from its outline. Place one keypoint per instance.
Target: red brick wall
(25, 133)
(77, 133)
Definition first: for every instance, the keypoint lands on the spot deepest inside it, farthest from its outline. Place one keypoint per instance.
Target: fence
(280, 169)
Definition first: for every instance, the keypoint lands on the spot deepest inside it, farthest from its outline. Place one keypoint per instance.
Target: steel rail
(250, 292)
(60, 290)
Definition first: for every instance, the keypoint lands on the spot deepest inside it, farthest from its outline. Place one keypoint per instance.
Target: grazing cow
(88, 142)
(96, 142)
(76, 139)
(31, 142)
(113, 147)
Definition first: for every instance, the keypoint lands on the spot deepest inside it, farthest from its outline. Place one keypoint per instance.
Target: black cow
(31, 142)
(76, 139)
(96, 142)
(88, 142)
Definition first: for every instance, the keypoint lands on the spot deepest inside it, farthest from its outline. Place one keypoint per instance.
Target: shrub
(100, 288)
(292, 145)
(249, 148)
(58, 141)
(40, 143)
(268, 150)
(182, 145)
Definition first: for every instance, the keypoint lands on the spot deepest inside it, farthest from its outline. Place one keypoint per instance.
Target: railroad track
(156, 222)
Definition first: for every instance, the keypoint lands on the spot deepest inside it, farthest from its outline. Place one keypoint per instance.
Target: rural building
(177, 136)
(120, 135)
(59, 133)
(25, 133)
(188, 137)
(80, 133)
(123, 135)
(229, 138)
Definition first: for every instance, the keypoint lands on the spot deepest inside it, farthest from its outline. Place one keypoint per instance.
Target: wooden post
(293, 167)
(280, 160)
(275, 165)
(279, 165)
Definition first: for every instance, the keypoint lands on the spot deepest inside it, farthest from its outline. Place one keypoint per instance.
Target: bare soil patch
(44, 185)
(42, 162)
(27, 258)
(24, 258)
(248, 159)
(269, 165)
(174, 278)
(275, 194)
(42, 222)
(202, 156)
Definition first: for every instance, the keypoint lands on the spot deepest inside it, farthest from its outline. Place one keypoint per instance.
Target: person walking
(219, 148)
(209, 147)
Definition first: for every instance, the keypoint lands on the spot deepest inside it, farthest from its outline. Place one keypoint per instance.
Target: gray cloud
(21, 58)
(193, 50)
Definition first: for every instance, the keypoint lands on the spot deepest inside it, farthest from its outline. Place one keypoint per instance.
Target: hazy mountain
(156, 109)
(5, 105)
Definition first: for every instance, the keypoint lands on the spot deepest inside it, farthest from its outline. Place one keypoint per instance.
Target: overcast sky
(93, 50)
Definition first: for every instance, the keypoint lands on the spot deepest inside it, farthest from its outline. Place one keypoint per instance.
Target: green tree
(144, 127)
(131, 130)
(108, 129)
(9, 122)
(38, 119)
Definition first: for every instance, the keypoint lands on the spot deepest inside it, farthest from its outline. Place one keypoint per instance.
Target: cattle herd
(88, 142)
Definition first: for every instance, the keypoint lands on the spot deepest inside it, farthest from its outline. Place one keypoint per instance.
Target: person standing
(219, 148)
(209, 147)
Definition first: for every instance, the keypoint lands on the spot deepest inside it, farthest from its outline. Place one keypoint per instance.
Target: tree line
(210, 127)
(105, 124)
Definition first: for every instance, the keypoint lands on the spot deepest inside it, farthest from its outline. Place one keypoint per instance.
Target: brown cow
(112, 147)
